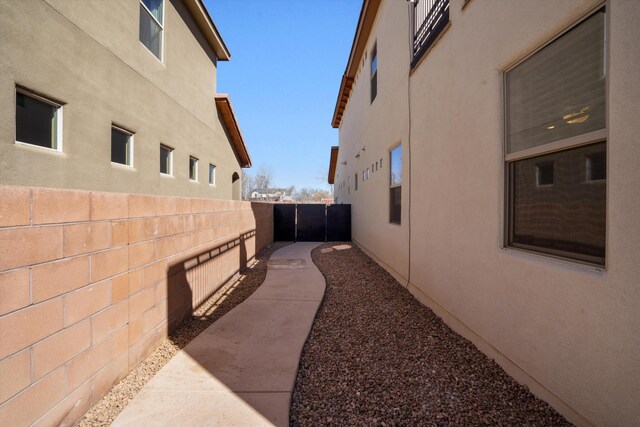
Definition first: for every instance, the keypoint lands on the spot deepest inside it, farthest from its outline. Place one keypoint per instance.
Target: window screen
(556, 151)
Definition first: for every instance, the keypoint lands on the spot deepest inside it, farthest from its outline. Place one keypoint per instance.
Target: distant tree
(307, 195)
(318, 195)
(263, 179)
(247, 186)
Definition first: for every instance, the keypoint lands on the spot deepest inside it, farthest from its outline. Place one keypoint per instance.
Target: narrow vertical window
(166, 160)
(121, 146)
(356, 181)
(212, 174)
(152, 25)
(395, 185)
(374, 73)
(193, 168)
(38, 121)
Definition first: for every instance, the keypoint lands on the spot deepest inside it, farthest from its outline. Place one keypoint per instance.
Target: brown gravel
(232, 293)
(376, 356)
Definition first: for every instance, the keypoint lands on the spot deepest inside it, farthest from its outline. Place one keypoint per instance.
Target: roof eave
(203, 19)
(223, 103)
(332, 164)
(365, 24)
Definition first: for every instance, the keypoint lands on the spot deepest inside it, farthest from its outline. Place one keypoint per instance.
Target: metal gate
(284, 223)
(311, 222)
(338, 223)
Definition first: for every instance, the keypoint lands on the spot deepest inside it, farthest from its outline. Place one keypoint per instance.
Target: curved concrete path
(242, 369)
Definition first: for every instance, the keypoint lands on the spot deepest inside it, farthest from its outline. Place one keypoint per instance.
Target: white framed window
(121, 146)
(395, 185)
(193, 169)
(152, 25)
(166, 160)
(554, 127)
(38, 120)
(212, 174)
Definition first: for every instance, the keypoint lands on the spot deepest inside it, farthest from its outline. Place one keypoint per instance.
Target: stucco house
(488, 151)
(120, 98)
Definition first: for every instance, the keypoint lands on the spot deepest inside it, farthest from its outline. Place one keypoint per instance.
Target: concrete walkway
(242, 369)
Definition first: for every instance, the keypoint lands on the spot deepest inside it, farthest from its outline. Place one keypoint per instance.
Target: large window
(374, 73)
(166, 160)
(556, 147)
(38, 121)
(152, 25)
(395, 185)
(121, 146)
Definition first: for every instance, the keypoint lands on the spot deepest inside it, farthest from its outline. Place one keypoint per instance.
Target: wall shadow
(202, 286)
(192, 281)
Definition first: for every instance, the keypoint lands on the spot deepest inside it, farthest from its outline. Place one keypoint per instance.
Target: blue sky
(287, 59)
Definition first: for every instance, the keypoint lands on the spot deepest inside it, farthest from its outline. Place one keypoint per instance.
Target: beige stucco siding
(92, 62)
(378, 127)
(567, 330)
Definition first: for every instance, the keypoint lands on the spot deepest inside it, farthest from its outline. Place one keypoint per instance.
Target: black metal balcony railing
(429, 18)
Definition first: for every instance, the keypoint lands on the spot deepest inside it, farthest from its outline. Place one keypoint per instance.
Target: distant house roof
(201, 15)
(332, 164)
(365, 23)
(231, 123)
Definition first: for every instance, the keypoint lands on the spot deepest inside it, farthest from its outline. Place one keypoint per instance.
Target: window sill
(562, 260)
(122, 166)
(166, 175)
(424, 54)
(34, 147)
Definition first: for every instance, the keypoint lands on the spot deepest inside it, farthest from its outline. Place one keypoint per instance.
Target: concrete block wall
(91, 282)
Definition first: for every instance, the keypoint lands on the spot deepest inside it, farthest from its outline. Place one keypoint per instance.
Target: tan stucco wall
(90, 58)
(377, 127)
(568, 331)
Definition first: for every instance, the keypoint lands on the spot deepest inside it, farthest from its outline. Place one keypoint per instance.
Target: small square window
(166, 160)
(38, 121)
(544, 174)
(121, 146)
(212, 174)
(193, 168)
(597, 166)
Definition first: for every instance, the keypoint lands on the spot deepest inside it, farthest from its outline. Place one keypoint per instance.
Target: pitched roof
(201, 15)
(365, 23)
(223, 103)
(332, 164)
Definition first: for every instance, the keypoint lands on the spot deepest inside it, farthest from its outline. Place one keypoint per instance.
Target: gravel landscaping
(222, 301)
(376, 356)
